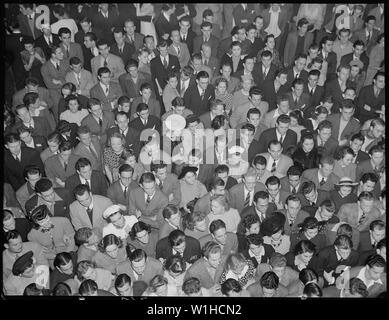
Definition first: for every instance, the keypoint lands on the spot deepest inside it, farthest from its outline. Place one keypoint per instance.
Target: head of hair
(343, 242)
(216, 225)
(87, 287)
(269, 280)
(230, 285)
(304, 246)
(307, 275)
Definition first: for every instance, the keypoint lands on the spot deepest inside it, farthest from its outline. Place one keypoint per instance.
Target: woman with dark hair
(74, 113)
(55, 234)
(219, 124)
(248, 225)
(67, 90)
(320, 114)
(344, 166)
(306, 276)
(272, 229)
(306, 155)
(143, 236)
(302, 256)
(111, 253)
(257, 251)
(309, 230)
(296, 122)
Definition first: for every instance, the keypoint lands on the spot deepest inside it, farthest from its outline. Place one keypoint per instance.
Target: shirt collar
(83, 181)
(338, 257)
(368, 283)
(121, 185)
(320, 176)
(31, 124)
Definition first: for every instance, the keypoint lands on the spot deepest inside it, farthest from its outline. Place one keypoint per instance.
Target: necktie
(362, 219)
(294, 191)
(125, 192)
(89, 211)
(106, 90)
(296, 77)
(87, 182)
(17, 158)
(376, 92)
(264, 74)
(206, 62)
(65, 165)
(273, 167)
(202, 94)
(67, 52)
(323, 181)
(121, 50)
(58, 66)
(182, 88)
(122, 133)
(178, 51)
(247, 200)
(93, 151)
(148, 199)
(100, 122)
(368, 37)
(105, 63)
(311, 92)
(161, 185)
(281, 140)
(164, 63)
(184, 38)
(79, 78)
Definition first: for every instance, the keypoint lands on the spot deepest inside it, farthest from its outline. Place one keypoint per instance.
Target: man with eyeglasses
(88, 209)
(57, 200)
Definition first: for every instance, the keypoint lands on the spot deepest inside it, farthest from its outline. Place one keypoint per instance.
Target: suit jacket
(223, 47)
(152, 122)
(366, 96)
(291, 45)
(160, 73)
(243, 16)
(24, 193)
(364, 167)
(205, 118)
(346, 59)
(226, 58)
(106, 24)
(41, 127)
(94, 127)
(352, 127)
(315, 99)
(114, 93)
(98, 182)
(116, 194)
(25, 28)
(349, 213)
(287, 278)
(61, 207)
(126, 55)
(332, 61)
(189, 40)
(191, 253)
(285, 185)
(365, 243)
(131, 141)
(74, 51)
(154, 107)
(327, 260)
(290, 77)
(251, 210)
(270, 76)
(294, 228)
(162, 26)
(237, 195)
(214, 65)
(283, 164)
(301, 103)
(41, 43)
(50, 72)
(308, 207)
(138, 40)
(40, 143)
(153, 267)
(114, 63)
(80, 219)
(270, 134)
(199, 270)
(13, 169)
(43, 94)
(230, 246)
(270, 95)
(212, 41)
(184, 56)
(312, 174)
(83, 152)
(194, 102)
(332, 88)
(361, 35)
(86, 81)
(137, 201)
(131, 89)
(329, 147)
(88, 56)
(171, 185)
(362, 156)
(54, 168)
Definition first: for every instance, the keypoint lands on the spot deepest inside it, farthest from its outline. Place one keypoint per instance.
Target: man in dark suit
(207, 37)
(167, 182)
(146, 96)
(369, 239)
(243, 14)
(315, 91)
(261, 206)
(119, 192)
(298, 99)
(144, 120)
(135, 39)
(246, 140)
(89, 147)
(121, 48)
(186, 33)
(165, 23)
(180, 244)
(107, 91)
(197, 98)
(222, 171)
(106, 18)
(272, 89)
(336, 87)
(16, 158)
(265, 70)
(371, 98)
(368, 34)
(57, 200)
(357, 54)
(132, 81)
(86, 26)
(28, 140)
(311, 198)
(323, 177)
(297, 42)
(356, 142)
(27, 20)
(89, 49)
(297, 71)
(69, 48)
(328, 55)
(217, 108)
(281, 132)
(85, 175)
(333, 259)
(161, 65)
(326, 144)
(47, 39)
(350, 125)
(39, 126)
(293, 181)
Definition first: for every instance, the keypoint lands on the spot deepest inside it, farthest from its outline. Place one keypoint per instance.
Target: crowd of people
(192, 150)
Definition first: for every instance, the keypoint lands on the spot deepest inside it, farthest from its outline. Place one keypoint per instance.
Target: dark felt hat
(185, 170)
(22, 263)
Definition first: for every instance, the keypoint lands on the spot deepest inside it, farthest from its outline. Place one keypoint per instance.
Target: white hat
(175, 122)
(45, 26)
(236, 149)
(111, 210)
